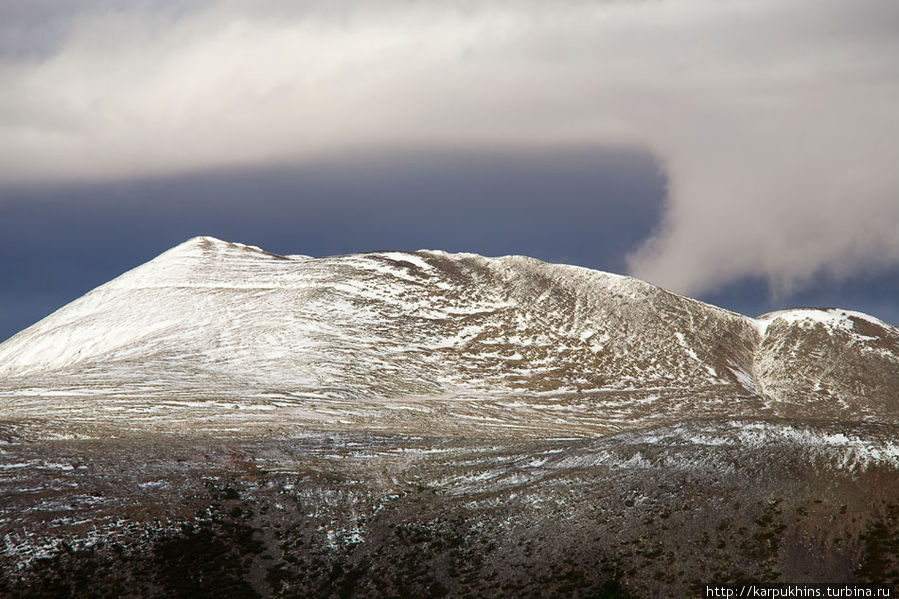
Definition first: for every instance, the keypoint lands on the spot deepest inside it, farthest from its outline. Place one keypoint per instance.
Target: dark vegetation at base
(207, 562)
(223, 557)
(880, 562)
(242, 551)
(322, 529)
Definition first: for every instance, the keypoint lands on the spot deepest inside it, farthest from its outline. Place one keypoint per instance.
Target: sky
(741, 152)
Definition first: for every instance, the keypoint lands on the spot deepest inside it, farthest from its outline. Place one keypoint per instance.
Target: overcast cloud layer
(775, 121)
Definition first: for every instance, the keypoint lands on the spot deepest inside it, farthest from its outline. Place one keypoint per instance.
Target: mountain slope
(223, 421)
(222, 333)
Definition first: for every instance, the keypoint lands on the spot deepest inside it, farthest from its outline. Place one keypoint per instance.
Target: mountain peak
(204, 245)
(410, 341)
(832, 319)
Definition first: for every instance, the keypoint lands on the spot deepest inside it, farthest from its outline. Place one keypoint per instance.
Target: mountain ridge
(457, 340)
(435, 424)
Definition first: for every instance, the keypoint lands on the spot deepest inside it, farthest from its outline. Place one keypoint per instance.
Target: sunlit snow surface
(523, 402)
(221, 336)
(833, 319)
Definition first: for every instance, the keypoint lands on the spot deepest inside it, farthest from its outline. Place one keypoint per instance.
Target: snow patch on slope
(833, 319)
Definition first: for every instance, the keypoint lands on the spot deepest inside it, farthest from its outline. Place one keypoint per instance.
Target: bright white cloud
(775, 120)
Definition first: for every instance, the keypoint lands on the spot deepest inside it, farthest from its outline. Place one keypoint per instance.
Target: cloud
(774, 120)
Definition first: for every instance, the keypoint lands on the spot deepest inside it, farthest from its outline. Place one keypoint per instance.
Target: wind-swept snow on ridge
(215, 334)
(446, 421)
(834, 319)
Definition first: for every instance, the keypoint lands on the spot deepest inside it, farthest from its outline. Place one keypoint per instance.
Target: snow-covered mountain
(223, 421)
(213, 333)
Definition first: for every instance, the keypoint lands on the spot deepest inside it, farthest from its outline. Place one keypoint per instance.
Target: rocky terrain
(223, 421)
